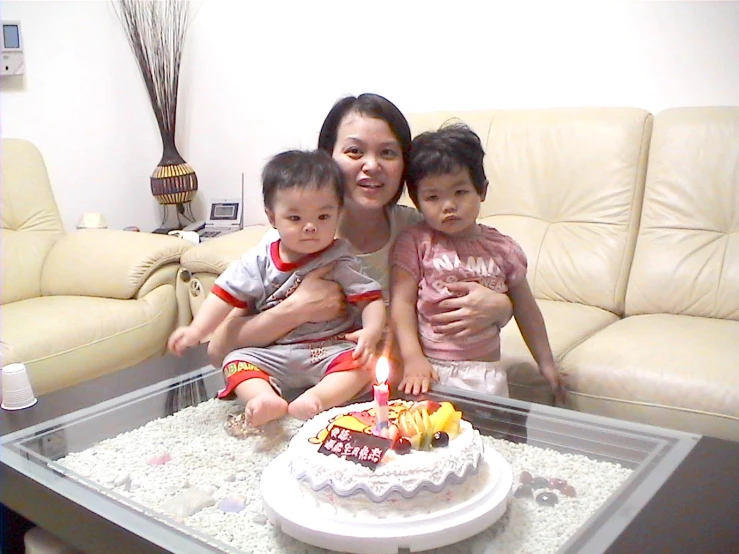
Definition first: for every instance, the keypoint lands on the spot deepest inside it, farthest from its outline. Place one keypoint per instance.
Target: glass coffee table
(654, 478)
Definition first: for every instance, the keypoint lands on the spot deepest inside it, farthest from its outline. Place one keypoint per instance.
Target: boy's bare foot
(305, 406)
(264, 408)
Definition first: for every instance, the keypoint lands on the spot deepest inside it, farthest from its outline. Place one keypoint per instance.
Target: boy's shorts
(288, 366)
(486, 377)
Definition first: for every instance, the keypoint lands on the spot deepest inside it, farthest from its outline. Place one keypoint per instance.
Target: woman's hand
(318, 299)
(475, 309)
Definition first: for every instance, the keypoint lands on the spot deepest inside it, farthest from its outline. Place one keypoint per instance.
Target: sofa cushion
(567, 324)
(65, 340)
(687, 252)
(567, 185)
(663, 369)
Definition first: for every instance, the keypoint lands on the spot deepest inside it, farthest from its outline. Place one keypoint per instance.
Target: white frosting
(404, 483)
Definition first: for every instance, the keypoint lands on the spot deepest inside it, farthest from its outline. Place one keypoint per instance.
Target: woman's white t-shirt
(377, 264)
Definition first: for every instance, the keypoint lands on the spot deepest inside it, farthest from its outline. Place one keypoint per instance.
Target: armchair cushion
(106, 263)
(30, 220)
(23, 254)
(65, 340)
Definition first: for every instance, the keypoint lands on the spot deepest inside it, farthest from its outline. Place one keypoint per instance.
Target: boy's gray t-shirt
(260, 280)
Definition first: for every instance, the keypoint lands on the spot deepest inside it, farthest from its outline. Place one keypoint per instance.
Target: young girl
(446, 180)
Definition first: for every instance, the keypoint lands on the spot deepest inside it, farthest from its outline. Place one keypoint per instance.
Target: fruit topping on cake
(428, 424)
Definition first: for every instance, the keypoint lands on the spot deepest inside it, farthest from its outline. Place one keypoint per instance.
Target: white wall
(259, 77)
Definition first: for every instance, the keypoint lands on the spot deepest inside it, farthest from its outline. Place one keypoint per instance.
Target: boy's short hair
(447, 150)
(301, 169)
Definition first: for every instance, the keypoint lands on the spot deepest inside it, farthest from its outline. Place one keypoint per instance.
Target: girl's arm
(417, 371)
(534, 333)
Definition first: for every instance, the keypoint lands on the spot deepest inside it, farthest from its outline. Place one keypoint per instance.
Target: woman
(370, 140)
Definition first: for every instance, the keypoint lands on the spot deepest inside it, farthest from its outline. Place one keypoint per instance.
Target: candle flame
(382, 369)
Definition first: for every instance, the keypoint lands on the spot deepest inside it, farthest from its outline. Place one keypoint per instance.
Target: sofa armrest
(107, 263)
(215, 255)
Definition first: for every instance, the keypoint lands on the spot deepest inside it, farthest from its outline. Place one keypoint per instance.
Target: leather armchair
(77, 305)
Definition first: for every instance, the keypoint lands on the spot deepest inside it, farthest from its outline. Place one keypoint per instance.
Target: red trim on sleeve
(228, 298)
(365, 296)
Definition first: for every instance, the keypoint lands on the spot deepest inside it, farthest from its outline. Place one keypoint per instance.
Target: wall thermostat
(12, 49)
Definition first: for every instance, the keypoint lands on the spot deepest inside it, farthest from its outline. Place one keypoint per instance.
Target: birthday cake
(427, 458)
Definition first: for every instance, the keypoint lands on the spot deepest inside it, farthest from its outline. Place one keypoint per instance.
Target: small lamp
(92, 220)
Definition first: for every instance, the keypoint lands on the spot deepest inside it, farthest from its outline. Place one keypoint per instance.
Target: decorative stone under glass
(556, 483)
(539, 483)
(547, 499)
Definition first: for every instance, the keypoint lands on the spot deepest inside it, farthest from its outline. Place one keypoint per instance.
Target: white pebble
(124, 477)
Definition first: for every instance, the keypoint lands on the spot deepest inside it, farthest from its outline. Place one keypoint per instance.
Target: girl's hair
(369, 105)
(449, 149)
(301, 169)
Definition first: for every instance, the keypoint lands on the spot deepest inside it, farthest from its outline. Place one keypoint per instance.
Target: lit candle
(382, 394)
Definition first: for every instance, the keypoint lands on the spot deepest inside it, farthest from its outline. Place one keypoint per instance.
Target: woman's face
(371, 158)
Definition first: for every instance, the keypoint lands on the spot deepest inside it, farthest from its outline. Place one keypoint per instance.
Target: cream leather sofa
(82, 304)
(630, 222)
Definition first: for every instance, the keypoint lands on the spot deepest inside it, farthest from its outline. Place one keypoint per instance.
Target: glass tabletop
(650, 454)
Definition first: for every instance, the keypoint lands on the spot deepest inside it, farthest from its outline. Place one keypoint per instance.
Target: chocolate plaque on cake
(355, 446)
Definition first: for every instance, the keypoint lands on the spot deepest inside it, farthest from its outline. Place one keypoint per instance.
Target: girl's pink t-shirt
(435, 259)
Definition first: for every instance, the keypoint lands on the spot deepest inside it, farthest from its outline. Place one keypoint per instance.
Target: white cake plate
(290, 510)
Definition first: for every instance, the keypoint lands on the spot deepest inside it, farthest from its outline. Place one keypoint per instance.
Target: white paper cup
(17, 392)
